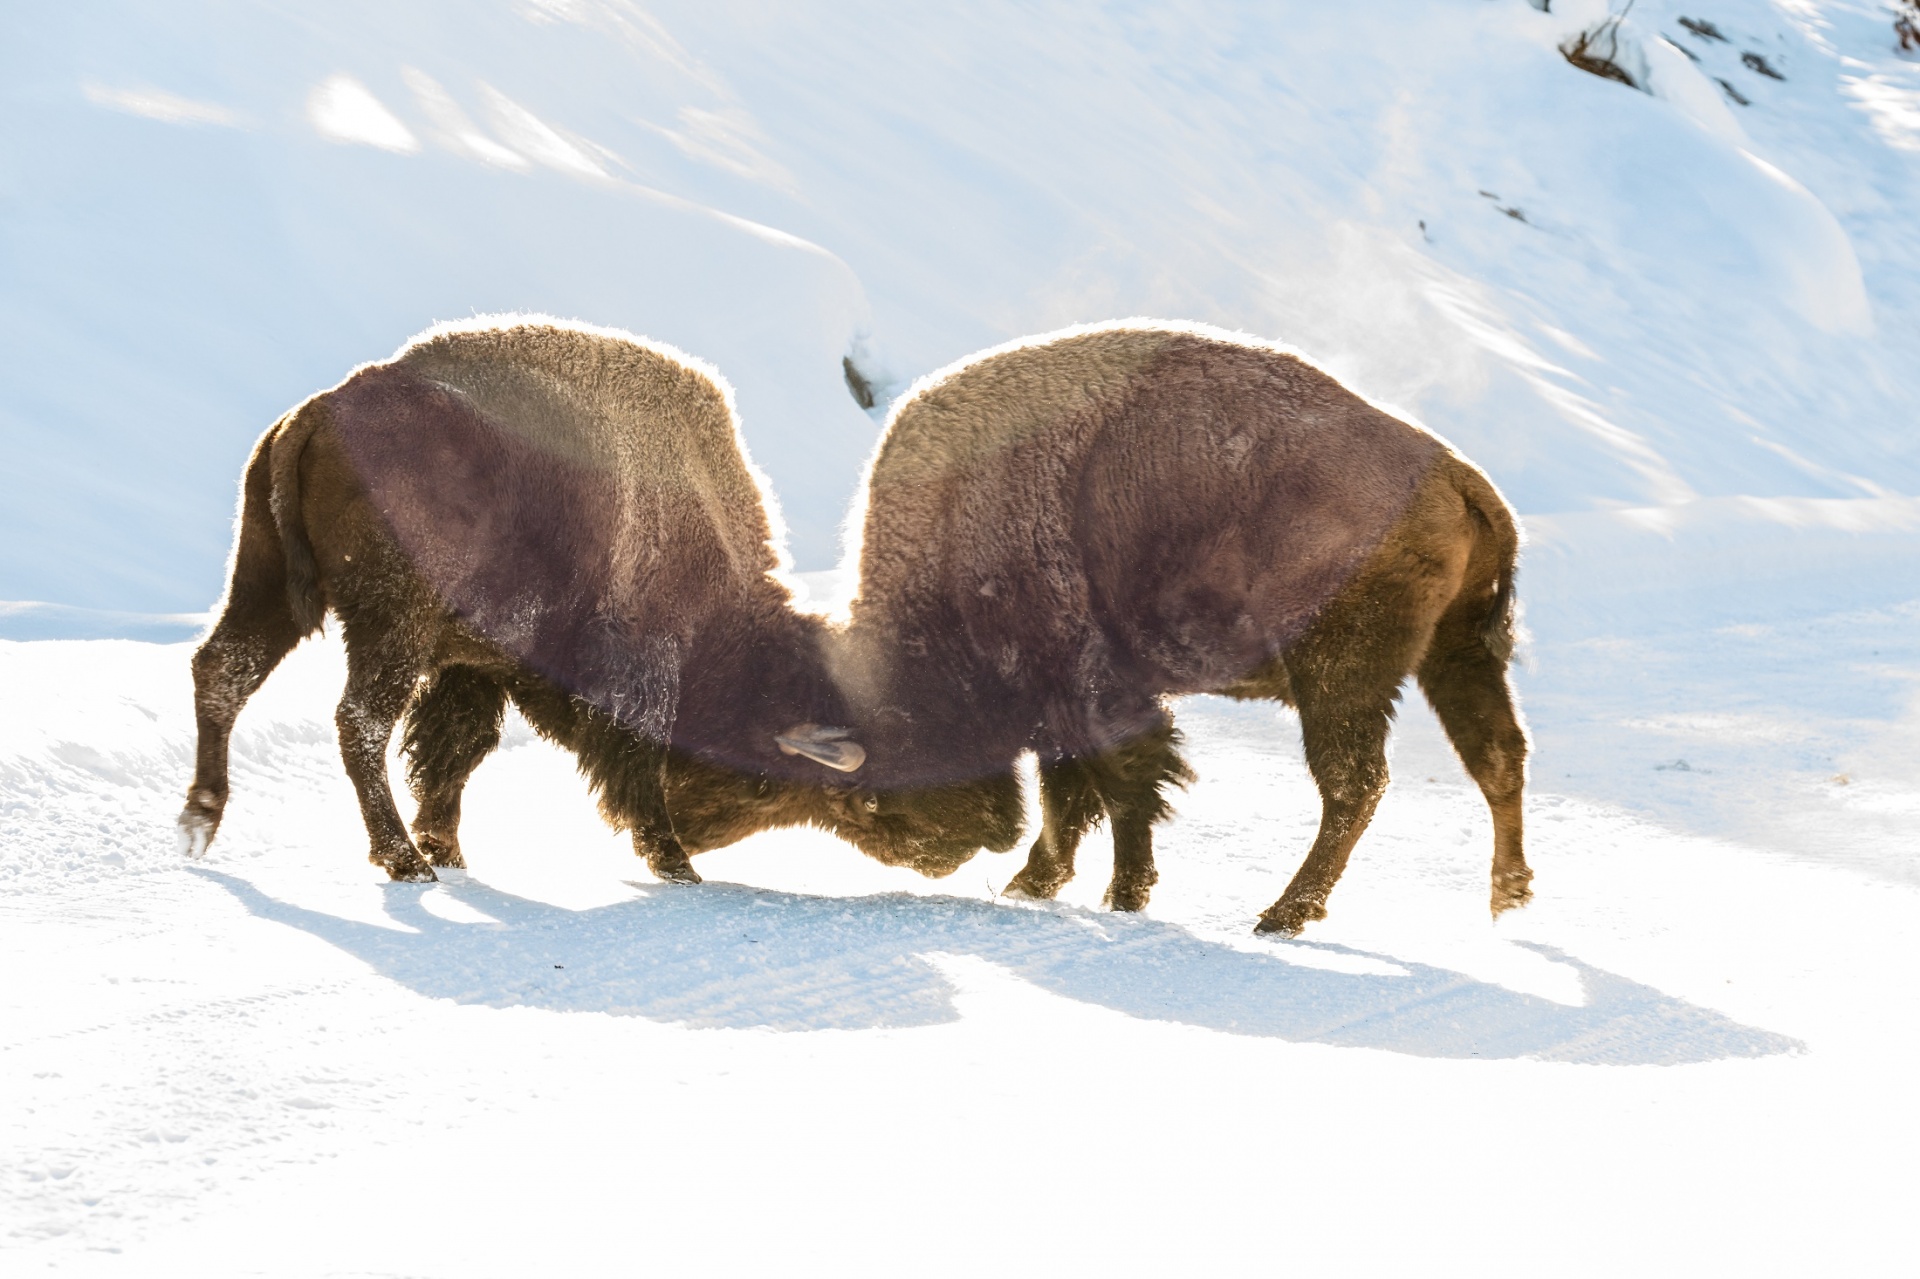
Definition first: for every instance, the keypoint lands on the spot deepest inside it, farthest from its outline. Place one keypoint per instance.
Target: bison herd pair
(1055, 538)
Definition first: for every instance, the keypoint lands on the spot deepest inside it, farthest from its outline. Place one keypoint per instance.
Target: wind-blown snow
(1676, 324)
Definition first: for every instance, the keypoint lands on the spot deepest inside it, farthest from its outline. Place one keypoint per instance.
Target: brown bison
(563, 516)
(1061, 534)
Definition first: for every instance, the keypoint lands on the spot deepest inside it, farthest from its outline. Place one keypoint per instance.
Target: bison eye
(871, 803)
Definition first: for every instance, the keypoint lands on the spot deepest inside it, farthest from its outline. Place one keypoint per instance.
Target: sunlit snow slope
(1610, 298)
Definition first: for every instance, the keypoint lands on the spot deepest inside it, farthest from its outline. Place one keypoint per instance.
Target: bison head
(933, 829)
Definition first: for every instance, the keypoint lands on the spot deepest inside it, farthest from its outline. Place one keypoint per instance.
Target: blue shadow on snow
(723, 955)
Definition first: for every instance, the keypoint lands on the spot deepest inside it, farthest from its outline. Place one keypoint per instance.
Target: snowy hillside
(1609, 298)
(1675, 319)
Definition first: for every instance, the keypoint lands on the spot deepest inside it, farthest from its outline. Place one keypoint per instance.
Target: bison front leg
(1132, 780)
(627, 754)
(646, 816)
(636, 798)
(1069, 806)
(1134, 873)
(665, 857)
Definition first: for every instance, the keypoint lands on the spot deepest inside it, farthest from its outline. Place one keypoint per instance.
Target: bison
(563, 516)
(1061, 534)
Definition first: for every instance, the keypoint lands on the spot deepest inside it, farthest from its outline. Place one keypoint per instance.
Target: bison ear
(833, 747)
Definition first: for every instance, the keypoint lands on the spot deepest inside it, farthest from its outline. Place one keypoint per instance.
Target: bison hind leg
(450, 728)
(1466, 683)
(1345, 677)
(255, 631)
(382, 666)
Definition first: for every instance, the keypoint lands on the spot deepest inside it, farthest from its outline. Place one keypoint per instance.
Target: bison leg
(450, 728)
(627, 770)
(1467, 686)
(1345, 710)
(665, 857)
(1132, 782)
(255, 631)
(641, 806)
(1069, 806)
(380, 682)
(1134, 873)
(1126, 784)
(645, 813)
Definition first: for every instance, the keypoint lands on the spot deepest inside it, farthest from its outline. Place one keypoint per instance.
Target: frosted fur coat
(1061, 532)
(583, 499)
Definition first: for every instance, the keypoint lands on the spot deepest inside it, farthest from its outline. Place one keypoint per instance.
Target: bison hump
(543, 538)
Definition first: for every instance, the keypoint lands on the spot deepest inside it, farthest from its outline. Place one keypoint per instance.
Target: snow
(1608, 297)
(1677, 329)
(1687, 1052)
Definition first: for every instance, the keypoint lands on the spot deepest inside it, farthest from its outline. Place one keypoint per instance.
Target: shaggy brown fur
(1061, 535)
(545, 513)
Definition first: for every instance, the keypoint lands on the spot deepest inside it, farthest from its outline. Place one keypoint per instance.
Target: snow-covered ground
(1689, 1055)
(1678, 327)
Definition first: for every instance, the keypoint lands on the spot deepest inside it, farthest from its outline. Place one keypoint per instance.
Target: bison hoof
(1032, 887)
(420, 874)
(1510, 891)
(671, 866)
(404, 866)
(1128, 895)
(441, 850)
(196, 832)
(1289, 919)
(199, 820)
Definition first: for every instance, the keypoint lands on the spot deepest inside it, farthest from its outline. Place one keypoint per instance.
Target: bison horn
(829, 746)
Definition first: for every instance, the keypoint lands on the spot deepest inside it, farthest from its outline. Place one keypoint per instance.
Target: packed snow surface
(1676, 322)
(1688, 1055)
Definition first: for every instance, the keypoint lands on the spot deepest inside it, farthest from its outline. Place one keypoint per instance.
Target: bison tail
(1499, 538)
(289, 441)
(1497, 632)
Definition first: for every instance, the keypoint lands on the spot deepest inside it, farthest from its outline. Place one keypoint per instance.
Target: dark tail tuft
(1502, 532)
(303, 574)
(1496, 632)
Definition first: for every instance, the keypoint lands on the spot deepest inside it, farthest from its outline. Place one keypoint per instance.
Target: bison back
(1184, 502)
(581, 508)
